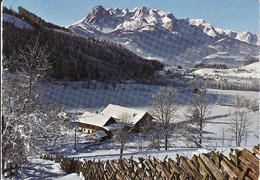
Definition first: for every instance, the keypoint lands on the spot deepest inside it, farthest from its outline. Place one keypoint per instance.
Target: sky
(236, 15)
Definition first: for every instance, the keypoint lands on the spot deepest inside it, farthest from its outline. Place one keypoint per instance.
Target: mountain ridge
(244, 36)
(155, 34)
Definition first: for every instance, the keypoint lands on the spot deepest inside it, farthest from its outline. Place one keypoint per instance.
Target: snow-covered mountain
(242, 36)
(245, 36)
(155, 34)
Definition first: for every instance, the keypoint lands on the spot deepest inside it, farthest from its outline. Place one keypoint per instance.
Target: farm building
(100, 135)
(90, 123)
(136, 119)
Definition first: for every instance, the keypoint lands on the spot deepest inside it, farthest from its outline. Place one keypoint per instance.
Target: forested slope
(77, 57)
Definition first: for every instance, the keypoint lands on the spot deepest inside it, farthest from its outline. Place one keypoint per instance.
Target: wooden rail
(240, 165)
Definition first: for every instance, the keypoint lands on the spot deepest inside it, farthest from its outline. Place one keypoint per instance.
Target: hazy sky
(237, 15)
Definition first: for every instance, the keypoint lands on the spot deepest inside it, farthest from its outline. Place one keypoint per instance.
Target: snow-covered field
(219, 117)
(249, 71)
(216, 132)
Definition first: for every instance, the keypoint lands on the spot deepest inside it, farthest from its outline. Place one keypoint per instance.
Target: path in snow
(44, 169)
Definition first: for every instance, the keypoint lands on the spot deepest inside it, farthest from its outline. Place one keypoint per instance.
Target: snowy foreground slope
(45, 169)
(139, 97)
(249, 71)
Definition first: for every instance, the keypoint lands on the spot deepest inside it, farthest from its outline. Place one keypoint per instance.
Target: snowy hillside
(230, 52)
(16, 21)
(155, 34)
(249, 71)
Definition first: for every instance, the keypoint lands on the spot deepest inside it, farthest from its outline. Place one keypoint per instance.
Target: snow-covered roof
(94, 119)
(110, 127)
(118, 112)
(101, 134)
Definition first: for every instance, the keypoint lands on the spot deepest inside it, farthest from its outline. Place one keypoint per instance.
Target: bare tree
(164, 110)
(75, 129)
(254, 105)
(197, 113)
(27, 123)
(154, 137)
(223, 138)
(186, 134)
(240, 101)
(139, 142)
(220, 99)
(240, 126)
(121, 134)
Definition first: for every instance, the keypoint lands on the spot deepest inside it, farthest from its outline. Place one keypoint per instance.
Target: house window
(88, 131)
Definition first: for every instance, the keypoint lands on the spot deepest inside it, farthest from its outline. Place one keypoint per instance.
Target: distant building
(100, 135)
(188, 77)
(199, 91)
(137, 119)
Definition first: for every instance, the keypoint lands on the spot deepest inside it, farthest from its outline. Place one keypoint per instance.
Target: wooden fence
(240, 165)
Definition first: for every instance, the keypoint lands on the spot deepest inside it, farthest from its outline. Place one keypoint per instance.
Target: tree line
(31, 18)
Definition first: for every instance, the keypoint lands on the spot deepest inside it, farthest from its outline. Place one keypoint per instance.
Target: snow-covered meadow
(249, 71)
(139, 97)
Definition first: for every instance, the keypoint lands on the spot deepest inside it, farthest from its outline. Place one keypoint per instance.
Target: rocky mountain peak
(159, 35)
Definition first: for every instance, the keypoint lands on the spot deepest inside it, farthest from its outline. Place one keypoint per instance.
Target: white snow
(110, 127)
(41, 169)
(218, 121)
(122, 26)
(211, 31)
(241, 36)
(249, 71)
(100, 134)
(46, 169)
(130, 20)
(72, 176)
(118, 112)
(254, 67)
(94, 119)
(207, 28)
(137, 97)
